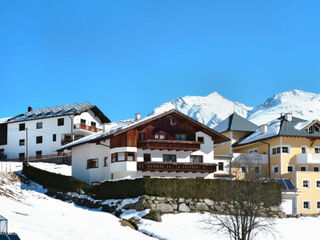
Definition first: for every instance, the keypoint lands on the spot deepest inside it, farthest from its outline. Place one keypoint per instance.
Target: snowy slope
(33, 215)
(214, 108)
(301, 104)
(209, 110)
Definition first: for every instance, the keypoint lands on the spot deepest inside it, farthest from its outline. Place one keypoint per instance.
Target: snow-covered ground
(51, 167)
(34, 215)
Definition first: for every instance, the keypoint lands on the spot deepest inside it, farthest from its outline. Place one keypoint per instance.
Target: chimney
(263, 129)
(137, 116)
(288, 117)
(29, 109)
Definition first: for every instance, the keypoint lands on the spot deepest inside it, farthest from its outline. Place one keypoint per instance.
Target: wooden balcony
(169, 145)
(86, 127)
(176, 167)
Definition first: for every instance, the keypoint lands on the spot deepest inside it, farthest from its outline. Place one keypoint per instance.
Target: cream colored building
(286, 147)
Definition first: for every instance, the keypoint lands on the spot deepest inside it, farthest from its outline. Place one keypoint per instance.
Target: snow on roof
(51, 111)
(273, 129)
(302, 125)
(3, 120)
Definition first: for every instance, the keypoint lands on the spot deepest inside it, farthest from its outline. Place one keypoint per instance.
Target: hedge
(215, 189)
(53, 180)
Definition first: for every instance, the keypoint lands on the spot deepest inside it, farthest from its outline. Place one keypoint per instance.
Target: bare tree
(244, 208)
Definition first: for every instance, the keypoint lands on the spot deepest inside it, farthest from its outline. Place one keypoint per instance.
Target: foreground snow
(33, 215)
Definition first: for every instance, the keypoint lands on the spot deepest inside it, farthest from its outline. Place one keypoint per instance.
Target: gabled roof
(236, 123)
(73, 109)
(115, 130)
(279, 127)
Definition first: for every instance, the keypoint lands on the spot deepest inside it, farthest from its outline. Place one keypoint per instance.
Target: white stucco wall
(89, 116)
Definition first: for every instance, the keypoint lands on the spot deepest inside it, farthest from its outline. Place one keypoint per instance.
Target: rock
(192, 207)
(152, 206)
(188, 200)
(201, 207)
(161, 198)
(126, 223)
(109, 209)
(181, 200)
(183, 208)
(164, 208)
(153, 215)
(135, 222)
(118, 213)
(140, 205)
(208, 202)
(175, 206)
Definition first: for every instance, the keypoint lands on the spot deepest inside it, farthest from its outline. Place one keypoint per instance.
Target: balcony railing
(169, 145)
(308, 158)
(251, 157)
(176, 167)
(86, 127)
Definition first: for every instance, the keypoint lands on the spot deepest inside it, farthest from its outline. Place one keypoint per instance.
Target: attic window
(160, 136)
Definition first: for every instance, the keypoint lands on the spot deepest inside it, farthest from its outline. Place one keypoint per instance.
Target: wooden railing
(169, 145)
(87, 127)
(41, 157)
(176, 167)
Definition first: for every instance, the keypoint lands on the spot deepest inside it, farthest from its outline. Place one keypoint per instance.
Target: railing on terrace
(68, 154)
(176, 167)
(169, 145)
(251, 157)
(86, 127)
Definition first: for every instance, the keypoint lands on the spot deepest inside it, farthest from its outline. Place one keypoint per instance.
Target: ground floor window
(220, 166)
(318, 204)
(105, 161)
(169, 158)
(21, 156)
(306, 204)
(275, 169)
(196, 158)
(92, 163)
(38, 154)
(243, 169)
(123, 156)
(318, 183)
(257, 170)
(290, 168)
(316, 169)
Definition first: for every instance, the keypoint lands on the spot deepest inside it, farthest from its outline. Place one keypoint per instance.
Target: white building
(170, 144)
(39, 132)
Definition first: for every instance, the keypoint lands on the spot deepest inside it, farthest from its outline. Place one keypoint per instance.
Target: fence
(6, 166)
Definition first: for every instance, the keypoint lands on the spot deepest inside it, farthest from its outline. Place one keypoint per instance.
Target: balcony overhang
(176, 167)
(169, 145)
(86, 128)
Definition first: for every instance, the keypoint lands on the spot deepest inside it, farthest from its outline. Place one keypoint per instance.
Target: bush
(52, 180)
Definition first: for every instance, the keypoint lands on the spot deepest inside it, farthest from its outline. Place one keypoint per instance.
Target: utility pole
(27, 150)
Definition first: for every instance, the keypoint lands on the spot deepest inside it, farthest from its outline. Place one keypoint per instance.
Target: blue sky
(132, 56)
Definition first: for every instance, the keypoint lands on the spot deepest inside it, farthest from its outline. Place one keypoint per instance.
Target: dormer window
(160, 136)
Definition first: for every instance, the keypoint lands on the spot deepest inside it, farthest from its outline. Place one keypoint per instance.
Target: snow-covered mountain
(209, 110)
(214, 108)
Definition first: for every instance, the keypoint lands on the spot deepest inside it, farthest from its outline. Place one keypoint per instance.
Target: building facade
(170, 144)
(287, 148)
(37, 133)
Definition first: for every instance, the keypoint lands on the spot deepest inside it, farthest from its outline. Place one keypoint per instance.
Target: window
(278, 150)
(22, 126)
(285, 149)
(83, 121)
(316, 169)
(93, 124)
(21, 156)
(39, 125)
(318, 183)
(303, 168)
(21, 142)
(161, 136)
(54, 137)
(141, 136)
(290, 168)
(123, 156)
(303, 149)
(201, 139)
(196, 158)
(306, 204)
(181, 137)
(257, 170)
(318, 204)
(253, 151)
(243, 169)
(92, 163)
(305, 183)
(220, 166)
(275, 169)
(60, 121)
(147, 157)
(317, 150)
(39, 139)
(38, 153)
(105, 161)
(169, 158)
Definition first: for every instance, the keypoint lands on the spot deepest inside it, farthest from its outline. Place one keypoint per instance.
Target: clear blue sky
(132, 56)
